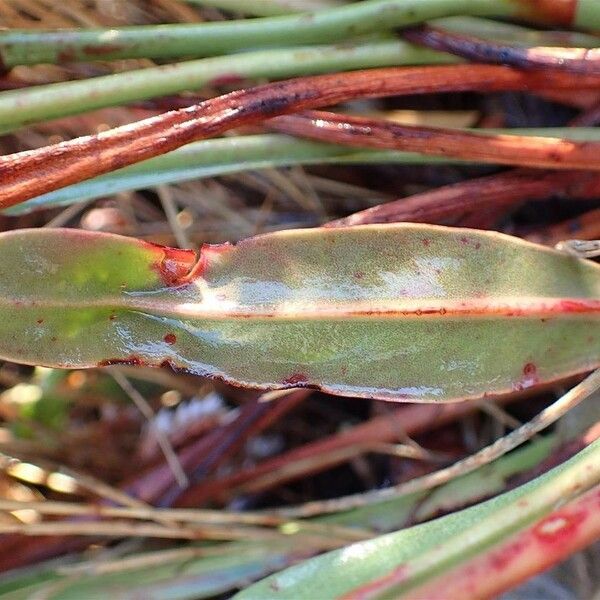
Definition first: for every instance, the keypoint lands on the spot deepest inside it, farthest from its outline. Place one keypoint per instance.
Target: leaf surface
(398, 312)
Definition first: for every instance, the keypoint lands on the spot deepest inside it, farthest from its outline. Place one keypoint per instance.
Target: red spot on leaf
(66, 55)
(530, 370)
(170, 338)
(40, 321)
(296, 379)
(530, 377)
(558, 528)
(359, 275)
(426, 242)
(502, 559)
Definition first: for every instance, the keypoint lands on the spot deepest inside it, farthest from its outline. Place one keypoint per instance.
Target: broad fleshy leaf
(398, 312)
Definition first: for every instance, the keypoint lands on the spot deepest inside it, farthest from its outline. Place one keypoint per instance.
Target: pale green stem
(30, 105)
(474, 26)
(430, 550)
(22, 47)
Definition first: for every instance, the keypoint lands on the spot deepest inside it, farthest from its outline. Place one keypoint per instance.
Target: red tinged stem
(324, 454)
(25, 175)
(499, 190)
(574, 60)
(553, 12)
(363, 132)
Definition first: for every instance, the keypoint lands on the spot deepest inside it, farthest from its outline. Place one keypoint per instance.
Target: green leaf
(399, 312)
(400, 564)
(190, 577)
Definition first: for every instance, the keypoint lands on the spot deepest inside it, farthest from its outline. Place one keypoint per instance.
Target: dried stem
(573, 60)
(363, 132)
(499, 190)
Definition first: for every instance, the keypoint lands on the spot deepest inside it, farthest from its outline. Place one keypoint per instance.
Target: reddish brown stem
(502, 189)
(583, 227)
(485, 199)
(574, 60)
(25, 175)
(201, 457)
(362, 132)
(324, 454)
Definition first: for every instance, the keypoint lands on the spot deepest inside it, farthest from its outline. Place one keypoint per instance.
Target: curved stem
(211, 158)
(20, 47)
(25, 175)
(25, 106)
(574, 60)
(498, 190)
(480, 145)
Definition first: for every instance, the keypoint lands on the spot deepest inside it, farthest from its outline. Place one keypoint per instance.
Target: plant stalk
(21, 47)
(26, 106)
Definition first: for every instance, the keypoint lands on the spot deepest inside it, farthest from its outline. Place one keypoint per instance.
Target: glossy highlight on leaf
(397, 312)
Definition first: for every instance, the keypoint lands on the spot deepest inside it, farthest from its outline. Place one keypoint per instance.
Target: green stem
(473, 26)
(210, 158)
(25, 106)
(20, 47)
